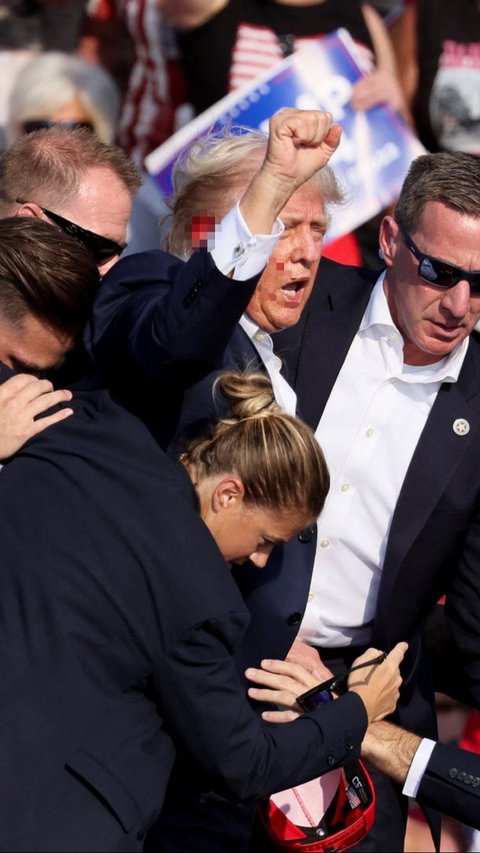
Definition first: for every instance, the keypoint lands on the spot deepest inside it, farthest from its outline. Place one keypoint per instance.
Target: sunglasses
(440, 273)
(322, 693)
(101, 248)
(45, 124)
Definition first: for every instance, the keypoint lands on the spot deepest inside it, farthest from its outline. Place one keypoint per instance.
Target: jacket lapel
(439, 451)
(314, 350)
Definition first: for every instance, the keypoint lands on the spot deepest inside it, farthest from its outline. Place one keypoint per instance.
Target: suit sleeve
(205, 704)
(451, 784)
(168, 319)
(462, 610)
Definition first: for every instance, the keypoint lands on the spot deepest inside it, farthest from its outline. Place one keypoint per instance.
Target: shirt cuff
(418, 767)
(240, 252)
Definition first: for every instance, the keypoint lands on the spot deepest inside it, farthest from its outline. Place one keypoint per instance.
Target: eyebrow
(30, 367)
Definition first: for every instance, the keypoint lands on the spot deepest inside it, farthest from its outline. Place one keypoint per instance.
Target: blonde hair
(210, 177)
(276, 455)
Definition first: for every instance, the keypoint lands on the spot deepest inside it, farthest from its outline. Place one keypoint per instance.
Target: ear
(388, 237)
(30, 209)
(227, 494)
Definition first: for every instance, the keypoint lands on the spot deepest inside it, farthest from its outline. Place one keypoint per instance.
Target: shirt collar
(255, 332)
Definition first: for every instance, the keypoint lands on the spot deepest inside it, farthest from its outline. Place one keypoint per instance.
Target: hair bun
(249, 395)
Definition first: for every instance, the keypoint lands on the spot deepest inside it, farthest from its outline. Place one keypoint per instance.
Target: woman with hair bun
(260, 474)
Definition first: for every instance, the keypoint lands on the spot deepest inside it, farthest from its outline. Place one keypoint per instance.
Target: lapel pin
(461, 426)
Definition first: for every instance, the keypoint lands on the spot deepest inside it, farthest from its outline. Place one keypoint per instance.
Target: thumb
(332, 140)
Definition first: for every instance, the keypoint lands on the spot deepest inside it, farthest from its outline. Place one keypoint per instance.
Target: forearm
(390, 749)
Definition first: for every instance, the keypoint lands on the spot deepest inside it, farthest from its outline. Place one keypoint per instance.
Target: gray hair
(212, 174)
(452, 178)
(51, 81)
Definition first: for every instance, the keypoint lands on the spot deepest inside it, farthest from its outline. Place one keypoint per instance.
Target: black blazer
(112, 653)
(451, 784)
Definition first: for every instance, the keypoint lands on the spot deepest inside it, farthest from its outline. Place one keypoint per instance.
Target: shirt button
(239, 250)
(311, 596)
(345, 487)
(325, 543)
(369, 432)
(259, 336)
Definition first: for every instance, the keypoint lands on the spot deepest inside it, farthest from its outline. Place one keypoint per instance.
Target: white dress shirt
(368, 432)
(245, 254)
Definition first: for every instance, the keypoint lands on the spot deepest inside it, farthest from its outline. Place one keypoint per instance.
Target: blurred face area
(73, 111)
(243, 531)
(288, 279)
(102, 205)
(32, 347)
(432, 320)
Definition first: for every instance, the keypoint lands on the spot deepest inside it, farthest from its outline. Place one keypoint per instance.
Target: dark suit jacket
(451, 783)
(112, 653)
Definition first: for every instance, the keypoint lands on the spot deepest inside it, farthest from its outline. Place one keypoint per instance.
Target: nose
(457, 299)
(308, 248)
(259, 558)
(104, 268)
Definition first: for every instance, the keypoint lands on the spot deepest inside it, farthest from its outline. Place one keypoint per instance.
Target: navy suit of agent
(112, 654)
(451, 783)
(434, 539)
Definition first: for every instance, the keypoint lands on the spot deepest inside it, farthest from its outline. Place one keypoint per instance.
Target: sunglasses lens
(436, 272)
(100, 254)
(46, 124)
(443, 275)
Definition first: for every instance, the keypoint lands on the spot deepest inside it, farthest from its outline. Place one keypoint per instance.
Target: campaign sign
(377, 146)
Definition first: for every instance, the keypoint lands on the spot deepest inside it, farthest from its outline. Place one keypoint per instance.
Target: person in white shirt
(385, 369)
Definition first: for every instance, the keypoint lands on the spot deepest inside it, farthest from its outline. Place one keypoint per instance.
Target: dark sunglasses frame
(101, 248)
(440, 273)
(322, 693)
(46, 124)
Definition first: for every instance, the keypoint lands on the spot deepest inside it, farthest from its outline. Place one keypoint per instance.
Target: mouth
(293, 291)
(448, 330)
